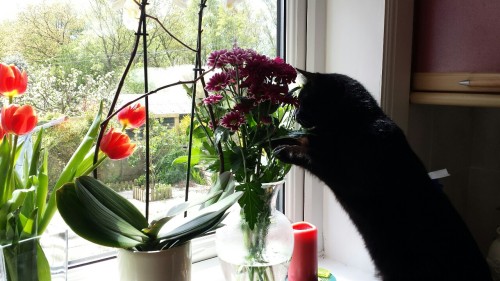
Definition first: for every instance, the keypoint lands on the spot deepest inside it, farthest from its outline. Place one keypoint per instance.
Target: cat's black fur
(409, 226)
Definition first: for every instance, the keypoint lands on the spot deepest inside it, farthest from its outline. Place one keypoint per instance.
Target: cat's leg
(293, 154)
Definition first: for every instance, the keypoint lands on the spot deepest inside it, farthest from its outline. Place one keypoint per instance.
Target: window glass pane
(75, 52)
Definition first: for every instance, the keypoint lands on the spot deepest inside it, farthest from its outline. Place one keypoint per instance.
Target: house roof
(163, 102)
(173, 100)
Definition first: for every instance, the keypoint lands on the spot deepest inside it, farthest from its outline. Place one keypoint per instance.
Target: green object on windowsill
(325, 275)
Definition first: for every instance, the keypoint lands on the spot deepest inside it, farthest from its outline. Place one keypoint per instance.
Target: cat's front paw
(292, 154)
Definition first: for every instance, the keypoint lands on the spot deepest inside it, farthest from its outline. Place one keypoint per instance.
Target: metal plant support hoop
(199, 72)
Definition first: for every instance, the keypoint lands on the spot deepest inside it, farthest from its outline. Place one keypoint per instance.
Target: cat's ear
(307, 75)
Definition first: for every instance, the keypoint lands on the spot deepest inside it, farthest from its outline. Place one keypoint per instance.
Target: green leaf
(68, 173)
(195, 159)
(36, 154)
(251, 201)
(221, 134)
(193, 222)
(5, 192)
(219, 186)
(180, 208)
(78, 217)
(43, 186)
(113, 201)
(42, 264)
(104, 209)
(198, 132)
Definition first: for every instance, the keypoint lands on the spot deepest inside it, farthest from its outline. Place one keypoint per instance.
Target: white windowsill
(208, 270)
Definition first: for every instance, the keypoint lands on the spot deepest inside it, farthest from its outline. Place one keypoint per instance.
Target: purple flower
(211, 125)
(212, 99)
(214, 58)
(234, 57)
(218, 82)
(232, 120)
(245, 105)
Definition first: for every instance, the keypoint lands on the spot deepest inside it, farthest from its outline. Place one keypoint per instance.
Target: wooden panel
(455, 99)
(450, 82)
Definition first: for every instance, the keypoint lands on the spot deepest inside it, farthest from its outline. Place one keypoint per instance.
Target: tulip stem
(10, 187)
(94, 166)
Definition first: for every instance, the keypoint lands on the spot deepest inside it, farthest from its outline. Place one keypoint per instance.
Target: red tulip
(116, 145)
(18, 120)
(132, 116)
(13, 82)
(2, 133)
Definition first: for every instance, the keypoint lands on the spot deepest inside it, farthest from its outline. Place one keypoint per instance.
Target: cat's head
(328, 100)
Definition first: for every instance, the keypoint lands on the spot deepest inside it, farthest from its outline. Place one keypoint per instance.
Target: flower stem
(9, 186)
(94, 166)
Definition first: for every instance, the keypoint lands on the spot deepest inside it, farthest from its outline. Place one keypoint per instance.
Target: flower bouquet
(247, 108)
(27, 203)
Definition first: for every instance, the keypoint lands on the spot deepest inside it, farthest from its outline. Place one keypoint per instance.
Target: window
(75, 51)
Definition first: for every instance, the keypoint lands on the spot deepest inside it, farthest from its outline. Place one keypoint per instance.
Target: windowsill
(208, 270)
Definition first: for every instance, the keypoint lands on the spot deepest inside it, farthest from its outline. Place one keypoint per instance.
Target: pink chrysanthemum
(218, 82)
(245, 105)
(214, 58)
(266, 120)
(211, 125)
(234, 57)
(232, 120)
(212, 99)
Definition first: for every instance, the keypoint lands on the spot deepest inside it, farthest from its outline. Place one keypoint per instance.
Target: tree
(43, 30)
(52, 89)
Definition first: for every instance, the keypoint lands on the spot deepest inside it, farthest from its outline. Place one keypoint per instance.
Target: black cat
(409, 226)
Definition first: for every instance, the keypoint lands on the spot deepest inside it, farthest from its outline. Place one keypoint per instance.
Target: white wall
(354, 46)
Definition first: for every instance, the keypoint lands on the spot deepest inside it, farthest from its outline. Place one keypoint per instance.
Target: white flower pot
(168, 265)
(493, 257)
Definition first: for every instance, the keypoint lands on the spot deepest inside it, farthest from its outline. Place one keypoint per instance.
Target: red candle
(304, 263)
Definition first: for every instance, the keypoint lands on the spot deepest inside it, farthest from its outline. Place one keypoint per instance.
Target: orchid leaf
(103, 205)
(219, 186)
(188, 224)
(78, 217)
(177, 209)
(213, 196)
(112, 201)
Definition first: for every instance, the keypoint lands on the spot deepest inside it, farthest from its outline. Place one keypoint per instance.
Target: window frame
(307, 48)
(303, 200)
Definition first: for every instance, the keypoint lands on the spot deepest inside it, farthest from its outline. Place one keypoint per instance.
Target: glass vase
(262, 253)
(41, 258)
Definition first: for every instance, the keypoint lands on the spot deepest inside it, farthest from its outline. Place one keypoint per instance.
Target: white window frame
(307, 50)
(313, 35)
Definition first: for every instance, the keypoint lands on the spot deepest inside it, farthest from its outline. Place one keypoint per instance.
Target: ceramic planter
(168, 265)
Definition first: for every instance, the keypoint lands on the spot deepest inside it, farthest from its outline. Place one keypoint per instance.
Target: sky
(10, 8)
